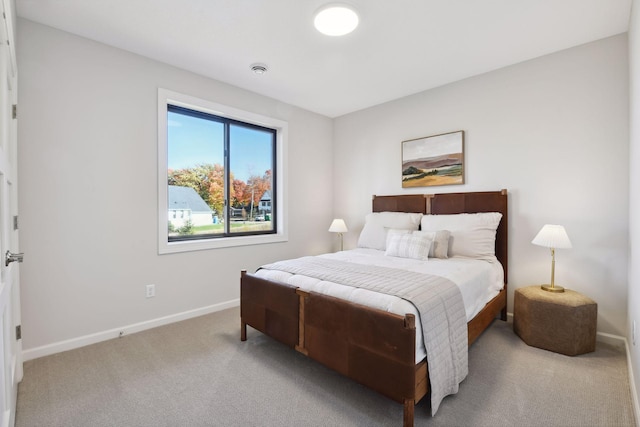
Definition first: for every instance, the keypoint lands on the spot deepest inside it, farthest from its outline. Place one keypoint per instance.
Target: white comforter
(479, 281)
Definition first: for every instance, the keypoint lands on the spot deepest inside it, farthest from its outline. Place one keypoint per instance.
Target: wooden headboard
(402, 203)
(453, 203)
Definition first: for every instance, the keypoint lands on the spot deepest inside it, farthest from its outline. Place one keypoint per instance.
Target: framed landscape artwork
(433, 160)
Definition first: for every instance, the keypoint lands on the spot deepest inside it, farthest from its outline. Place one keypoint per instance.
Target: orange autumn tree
(216, 188)
(258, 185)
(240, 193)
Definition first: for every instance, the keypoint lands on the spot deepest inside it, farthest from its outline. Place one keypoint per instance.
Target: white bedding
(478, 280)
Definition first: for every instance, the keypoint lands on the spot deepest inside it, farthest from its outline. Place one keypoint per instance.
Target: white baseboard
(614, 340)
(73, 343)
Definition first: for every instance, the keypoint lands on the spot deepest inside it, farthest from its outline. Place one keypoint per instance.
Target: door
(10, 344)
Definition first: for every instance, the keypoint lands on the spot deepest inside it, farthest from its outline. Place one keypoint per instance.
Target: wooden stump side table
(562, 322)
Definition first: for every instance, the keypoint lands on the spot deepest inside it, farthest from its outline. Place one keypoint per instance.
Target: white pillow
(410, 245)
(472, 235)
(374, 233)
(440, 245)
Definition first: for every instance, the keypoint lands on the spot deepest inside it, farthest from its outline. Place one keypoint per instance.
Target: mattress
(478, 280)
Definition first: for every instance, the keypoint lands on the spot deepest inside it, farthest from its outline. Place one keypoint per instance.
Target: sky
(432, 146)
(194, 141)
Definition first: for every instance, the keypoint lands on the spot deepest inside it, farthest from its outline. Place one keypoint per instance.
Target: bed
(372, 346)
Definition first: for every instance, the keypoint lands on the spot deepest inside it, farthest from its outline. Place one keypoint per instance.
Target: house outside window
(265, 205)
(220, 175)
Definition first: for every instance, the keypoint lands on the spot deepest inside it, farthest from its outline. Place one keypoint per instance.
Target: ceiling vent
(259, 68)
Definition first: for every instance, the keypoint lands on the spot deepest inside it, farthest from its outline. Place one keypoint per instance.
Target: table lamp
(338, 226)
(552, 236)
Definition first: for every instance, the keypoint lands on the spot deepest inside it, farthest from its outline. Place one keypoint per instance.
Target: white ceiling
(401, 47)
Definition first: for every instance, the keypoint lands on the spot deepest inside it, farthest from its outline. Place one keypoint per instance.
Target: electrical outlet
(150, 291)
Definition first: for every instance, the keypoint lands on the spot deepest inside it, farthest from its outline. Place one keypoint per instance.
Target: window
(216, 164)
(217, 167)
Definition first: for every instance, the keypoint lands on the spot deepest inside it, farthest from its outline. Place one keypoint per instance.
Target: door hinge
(14, 111)
(15, 222)
(18, 332)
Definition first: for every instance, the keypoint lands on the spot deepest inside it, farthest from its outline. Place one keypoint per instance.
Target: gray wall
(554, 131)
(88, 192)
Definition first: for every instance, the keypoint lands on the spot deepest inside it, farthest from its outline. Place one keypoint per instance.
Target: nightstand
(562, 322)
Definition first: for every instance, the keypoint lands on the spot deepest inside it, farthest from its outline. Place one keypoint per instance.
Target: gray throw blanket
(438, 300)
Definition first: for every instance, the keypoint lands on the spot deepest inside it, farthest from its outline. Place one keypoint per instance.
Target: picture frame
(433, 160)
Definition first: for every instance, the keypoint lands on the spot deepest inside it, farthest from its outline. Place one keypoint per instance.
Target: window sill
(226, 242)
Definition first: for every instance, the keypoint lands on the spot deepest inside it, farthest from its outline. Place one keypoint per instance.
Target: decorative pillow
(440, 245)
(472, 235)
(410, 245)
(374, 233)
(394, 231)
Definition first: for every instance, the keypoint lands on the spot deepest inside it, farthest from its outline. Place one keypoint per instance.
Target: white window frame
(166, 97)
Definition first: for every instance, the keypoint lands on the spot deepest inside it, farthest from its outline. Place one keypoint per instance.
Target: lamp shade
(338, 226)
(552, 236)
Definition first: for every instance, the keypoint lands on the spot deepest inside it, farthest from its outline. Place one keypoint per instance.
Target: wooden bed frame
(373, 347)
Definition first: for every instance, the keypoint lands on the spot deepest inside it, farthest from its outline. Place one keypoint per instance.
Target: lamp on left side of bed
(338, 226)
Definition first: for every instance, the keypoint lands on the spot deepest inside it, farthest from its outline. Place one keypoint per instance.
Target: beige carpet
(199, 373)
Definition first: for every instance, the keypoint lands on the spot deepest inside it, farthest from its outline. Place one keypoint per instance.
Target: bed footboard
(370, 346)
(270, 307)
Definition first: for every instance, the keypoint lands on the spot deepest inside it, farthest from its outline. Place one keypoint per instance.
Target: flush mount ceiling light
(259, 68)
(335, 19)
